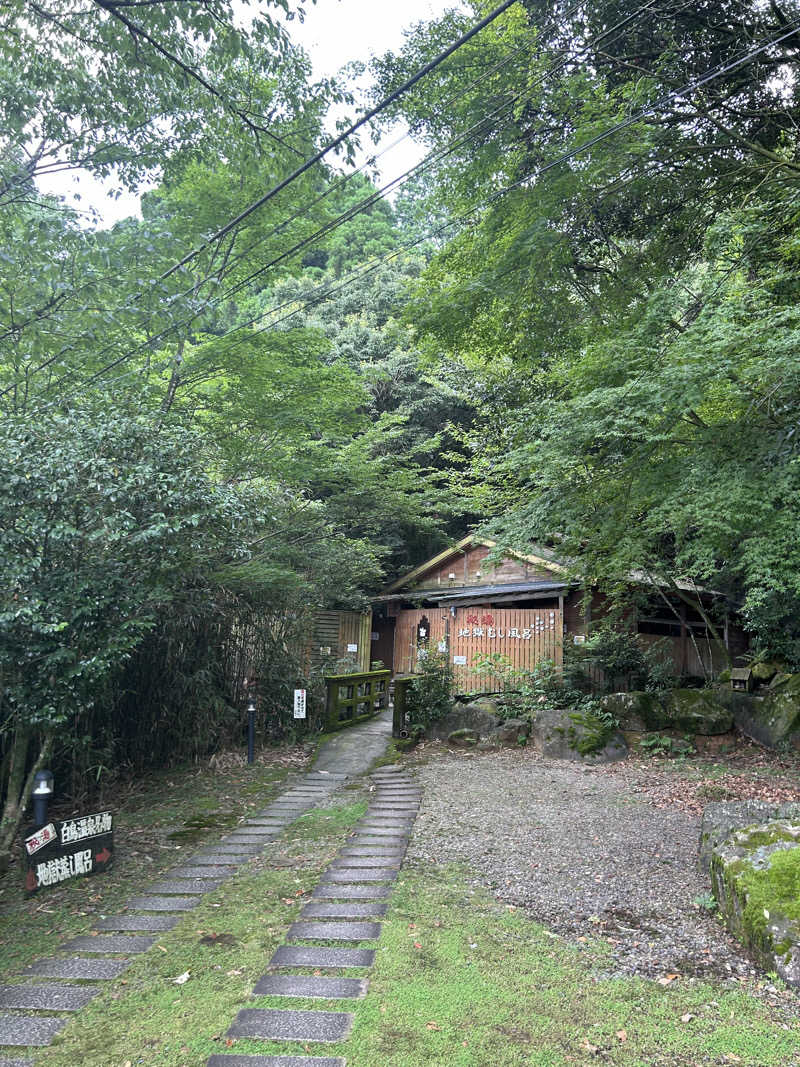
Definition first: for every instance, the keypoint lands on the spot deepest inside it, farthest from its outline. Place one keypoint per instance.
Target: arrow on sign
(104, 856)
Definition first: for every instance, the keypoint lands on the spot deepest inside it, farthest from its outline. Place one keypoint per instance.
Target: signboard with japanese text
(299, 703)
(473, 634)
(67, 849)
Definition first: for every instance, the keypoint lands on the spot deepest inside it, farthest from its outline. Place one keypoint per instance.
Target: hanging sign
(68, 849)
(299, 703)
(352, 648)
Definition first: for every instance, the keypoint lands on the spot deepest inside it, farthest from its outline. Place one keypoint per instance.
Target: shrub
(430, 695)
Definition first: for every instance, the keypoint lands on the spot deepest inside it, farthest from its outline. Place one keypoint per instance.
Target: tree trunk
(17, 789)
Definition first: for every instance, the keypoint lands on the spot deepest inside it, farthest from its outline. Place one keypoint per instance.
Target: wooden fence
(525, 636)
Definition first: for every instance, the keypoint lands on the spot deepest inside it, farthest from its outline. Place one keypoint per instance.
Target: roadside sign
(68, 849)
(299, 703)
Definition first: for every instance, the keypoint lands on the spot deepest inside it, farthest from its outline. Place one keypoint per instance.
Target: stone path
(163, 905)
(346, 906)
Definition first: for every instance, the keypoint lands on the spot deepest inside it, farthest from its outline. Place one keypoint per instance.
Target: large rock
(722, 818)
(475, 716)
(763, 673)
(755, 874)
(512, 731)
(770, 719)
(555, 734)
(638, 711)
(696, 711)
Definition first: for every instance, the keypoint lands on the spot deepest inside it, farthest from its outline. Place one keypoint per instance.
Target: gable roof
(470, 541)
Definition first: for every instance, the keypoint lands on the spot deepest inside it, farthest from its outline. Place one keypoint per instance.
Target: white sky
(334, 33)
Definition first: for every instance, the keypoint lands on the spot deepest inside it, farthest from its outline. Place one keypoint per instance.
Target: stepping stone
(230, 855)
(313, 956)
(152, 923)
(391, 822)
(349, 862)
(91, 970)
(344, 909)
(298, 985)
(362, 874)
(186, 885)
(321, 931)
(264, 1061)
(292, 1025)
(371, 839)
(249, 839)
(219, 874)
(384, 831)
(163, 903)
(270, 822)
(372, 850)
(393, 809)
(28, 1063)
(50, 997)
(29, 1030)
(129, 946)
(350, 892)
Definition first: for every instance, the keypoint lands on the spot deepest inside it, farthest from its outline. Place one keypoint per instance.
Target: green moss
(776, 890)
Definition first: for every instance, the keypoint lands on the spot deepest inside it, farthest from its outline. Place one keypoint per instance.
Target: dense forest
(575, 323)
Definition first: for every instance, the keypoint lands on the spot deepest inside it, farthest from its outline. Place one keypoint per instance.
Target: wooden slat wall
(539, 630)
(336, 630)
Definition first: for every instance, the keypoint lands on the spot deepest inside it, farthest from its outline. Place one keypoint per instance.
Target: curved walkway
(104, 955)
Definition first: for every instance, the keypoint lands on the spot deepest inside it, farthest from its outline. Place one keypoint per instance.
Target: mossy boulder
(556, 734)
(696, 711)
(763, 673)
(513, 731)
(722, 818)
(463, 738)
(772, 718)
(638, 711)
(473, 716)
(755, 876)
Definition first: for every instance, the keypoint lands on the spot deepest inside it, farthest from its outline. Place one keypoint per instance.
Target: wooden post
(684, 641)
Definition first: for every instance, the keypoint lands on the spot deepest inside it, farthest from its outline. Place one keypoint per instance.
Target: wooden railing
(353, 698)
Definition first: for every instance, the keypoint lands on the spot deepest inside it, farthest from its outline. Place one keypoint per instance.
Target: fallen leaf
(433, 1026)
(665, 979)
(687, 1018)
(417, 944)
(731, 1057)
(622, 1035)
(181, 979)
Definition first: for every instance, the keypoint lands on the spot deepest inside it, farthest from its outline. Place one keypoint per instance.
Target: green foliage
(628, 319)
(430, 695)
(663, 745)
(101, 524)
(596, 728)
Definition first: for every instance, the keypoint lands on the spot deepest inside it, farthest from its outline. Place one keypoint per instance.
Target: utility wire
(292, 177)
(564, 157)
(436, 156)
(643, 113)
(365, 118)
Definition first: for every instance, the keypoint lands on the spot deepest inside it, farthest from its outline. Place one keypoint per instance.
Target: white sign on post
(299, 703)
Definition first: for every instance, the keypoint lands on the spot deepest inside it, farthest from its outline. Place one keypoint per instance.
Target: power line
(299, 171)
(333, 224)
(363, 120)
(564, 157)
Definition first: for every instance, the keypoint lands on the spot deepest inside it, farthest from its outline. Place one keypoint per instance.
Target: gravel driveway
(579, 852)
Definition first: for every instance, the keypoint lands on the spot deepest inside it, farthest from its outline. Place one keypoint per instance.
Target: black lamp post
(41, 793)
(251, 731)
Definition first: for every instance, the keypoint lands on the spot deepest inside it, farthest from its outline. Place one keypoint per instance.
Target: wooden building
(526, 608)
